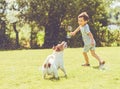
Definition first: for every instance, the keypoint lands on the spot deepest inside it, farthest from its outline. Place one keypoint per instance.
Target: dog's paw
(57, 78)
(43, 77)
(66, 76)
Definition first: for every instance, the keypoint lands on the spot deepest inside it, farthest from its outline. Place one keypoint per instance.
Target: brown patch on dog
(47, 65)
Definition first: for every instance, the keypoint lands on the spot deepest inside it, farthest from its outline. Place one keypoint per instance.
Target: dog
(54, 61)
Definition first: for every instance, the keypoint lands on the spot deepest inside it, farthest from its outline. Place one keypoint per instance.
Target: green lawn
(20, 70)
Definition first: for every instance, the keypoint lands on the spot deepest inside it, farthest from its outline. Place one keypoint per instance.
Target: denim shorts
(88, 47)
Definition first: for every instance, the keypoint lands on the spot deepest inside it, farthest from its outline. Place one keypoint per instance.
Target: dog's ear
(57, 49)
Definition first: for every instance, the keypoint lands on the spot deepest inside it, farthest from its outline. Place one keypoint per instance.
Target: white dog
(55, 61)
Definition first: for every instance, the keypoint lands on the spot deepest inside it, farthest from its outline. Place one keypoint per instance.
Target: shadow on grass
(55, 79)
(52, 79)
(95, 67)
(99, 68)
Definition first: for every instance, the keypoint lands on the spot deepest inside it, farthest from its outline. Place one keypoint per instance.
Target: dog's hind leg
(43, 76)
(44, 72)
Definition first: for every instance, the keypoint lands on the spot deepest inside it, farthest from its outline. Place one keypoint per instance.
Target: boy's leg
(97, 57)
(86, 59)
(85, 50)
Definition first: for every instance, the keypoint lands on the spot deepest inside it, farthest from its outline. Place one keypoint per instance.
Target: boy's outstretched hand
(72, 33)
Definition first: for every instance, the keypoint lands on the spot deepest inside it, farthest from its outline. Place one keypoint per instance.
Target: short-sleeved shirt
(86, 39)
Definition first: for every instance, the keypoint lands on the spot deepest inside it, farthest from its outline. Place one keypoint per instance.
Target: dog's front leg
(55, 73)
(64, 71)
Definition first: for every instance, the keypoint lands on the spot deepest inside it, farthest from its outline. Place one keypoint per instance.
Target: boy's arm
(91, 37)
(74, 32)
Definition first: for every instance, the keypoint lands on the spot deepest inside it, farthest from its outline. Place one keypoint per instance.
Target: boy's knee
(93, 54)
(84, 53)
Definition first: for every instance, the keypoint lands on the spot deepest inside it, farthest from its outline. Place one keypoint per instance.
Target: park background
(42, 24)
(29, 28)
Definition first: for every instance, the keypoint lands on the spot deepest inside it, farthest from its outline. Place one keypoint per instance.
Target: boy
(89, 42)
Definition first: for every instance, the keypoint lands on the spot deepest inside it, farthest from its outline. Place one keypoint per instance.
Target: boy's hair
(84, 15)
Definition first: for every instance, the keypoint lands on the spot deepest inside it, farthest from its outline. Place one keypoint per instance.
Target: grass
(20, 70)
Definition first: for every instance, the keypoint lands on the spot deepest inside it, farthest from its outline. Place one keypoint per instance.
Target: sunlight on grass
(20, 70)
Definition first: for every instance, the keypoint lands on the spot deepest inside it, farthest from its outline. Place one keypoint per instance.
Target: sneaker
(85, 64)
(102, 63)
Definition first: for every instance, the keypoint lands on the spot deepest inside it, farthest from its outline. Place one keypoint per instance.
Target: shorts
(88, 47)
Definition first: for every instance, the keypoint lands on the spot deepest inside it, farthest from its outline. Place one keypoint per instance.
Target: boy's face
(81, 21)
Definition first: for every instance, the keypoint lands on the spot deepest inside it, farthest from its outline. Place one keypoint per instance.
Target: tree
(52, 13)
(3, 38)
(12, 14)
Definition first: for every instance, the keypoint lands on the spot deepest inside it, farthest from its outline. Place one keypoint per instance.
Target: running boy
(89, 42)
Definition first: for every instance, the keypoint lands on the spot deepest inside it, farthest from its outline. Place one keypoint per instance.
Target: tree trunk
(51, 33)
(33, 36)
(17, 35)
(2, 34)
